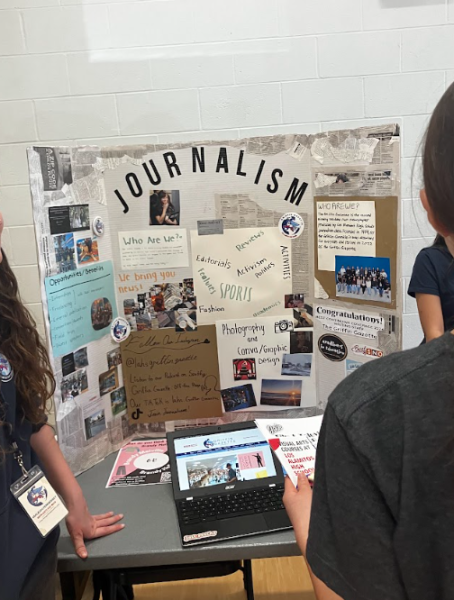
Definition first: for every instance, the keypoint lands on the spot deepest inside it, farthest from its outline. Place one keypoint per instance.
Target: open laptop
(226, 482)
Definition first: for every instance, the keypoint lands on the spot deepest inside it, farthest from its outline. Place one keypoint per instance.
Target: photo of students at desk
(213, 472)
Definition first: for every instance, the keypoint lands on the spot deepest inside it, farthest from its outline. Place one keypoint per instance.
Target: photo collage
(75, 379)
(167, 305)
(284, 392)
(109, 383)
(73, 243)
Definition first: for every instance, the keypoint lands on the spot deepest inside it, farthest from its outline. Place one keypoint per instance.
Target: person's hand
(298, 504)
(84, 526)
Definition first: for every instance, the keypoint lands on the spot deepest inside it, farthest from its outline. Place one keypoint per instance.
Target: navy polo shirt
(20, 541)
(433, 273)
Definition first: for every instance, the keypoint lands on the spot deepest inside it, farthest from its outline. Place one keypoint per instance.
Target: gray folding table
(148, 549)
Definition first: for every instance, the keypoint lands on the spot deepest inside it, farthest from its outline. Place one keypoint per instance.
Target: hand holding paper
(294, 442)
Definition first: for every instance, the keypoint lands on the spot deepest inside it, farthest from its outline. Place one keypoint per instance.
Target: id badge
(39, 500)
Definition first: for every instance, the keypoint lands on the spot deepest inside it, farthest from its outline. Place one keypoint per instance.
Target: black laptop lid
(224, 458)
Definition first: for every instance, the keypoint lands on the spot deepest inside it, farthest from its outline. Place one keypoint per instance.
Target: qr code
(166, 477)
(275, 428)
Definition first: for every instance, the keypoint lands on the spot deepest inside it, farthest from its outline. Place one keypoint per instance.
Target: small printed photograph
(87, 251)
(61, 221)
(363, 278)
(68, 364)
(302, 317)
(213, 471)
(238, 398)
(157, 299)
(101, 313)
(301, 342)
(244, 369)
(164, 207)
(65, 219)
(79, 217)
(143, 321)
(296, 365)
(95, 424)
(188, 292)
(151, 428)
(185, 320)
(114, 358)
(118, 401)
(64, 252)
(81, 358)
(352, 365)
(173, 297)
(55, 168)
(278, 392)
(73, 385)
(129, 306)
(294, 301)
(166, 319)
(108, 381)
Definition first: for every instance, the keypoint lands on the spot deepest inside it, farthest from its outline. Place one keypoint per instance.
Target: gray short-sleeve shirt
(382, 521)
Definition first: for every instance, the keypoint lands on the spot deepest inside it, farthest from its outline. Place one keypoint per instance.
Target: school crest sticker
(6, 370)
(291, 225)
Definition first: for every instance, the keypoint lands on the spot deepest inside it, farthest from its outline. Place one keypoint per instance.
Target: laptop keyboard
(237, 504)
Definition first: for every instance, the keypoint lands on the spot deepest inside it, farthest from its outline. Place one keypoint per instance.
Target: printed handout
(344, 229)
(141, 462)
(153, 249)
(294, 441)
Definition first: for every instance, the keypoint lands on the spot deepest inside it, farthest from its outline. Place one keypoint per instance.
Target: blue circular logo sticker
(208, 444)
(98, 226)
(120, 329)
(291, 225)
(37, 495)
(6, 370)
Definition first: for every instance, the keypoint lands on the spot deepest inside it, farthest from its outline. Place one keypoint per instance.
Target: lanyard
(19, 457)
(17, 453)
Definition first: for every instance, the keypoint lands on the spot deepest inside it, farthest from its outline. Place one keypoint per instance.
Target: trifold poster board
(254, 275)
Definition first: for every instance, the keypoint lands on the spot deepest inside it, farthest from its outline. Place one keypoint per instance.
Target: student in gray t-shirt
(380, 522)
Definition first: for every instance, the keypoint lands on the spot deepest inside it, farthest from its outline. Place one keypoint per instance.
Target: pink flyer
(141, 462)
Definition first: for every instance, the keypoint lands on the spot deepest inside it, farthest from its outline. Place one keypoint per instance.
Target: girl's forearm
(57, 470)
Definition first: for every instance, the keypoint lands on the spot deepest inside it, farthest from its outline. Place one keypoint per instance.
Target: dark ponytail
(438, 161)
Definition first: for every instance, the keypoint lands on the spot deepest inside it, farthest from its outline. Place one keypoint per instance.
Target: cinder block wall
(106, 72)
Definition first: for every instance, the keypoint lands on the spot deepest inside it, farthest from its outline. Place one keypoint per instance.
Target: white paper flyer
(294, 442)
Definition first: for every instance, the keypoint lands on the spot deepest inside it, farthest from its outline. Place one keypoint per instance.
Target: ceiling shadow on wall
(409, 3)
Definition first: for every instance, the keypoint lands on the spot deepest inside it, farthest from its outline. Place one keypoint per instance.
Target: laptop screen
(222, 458)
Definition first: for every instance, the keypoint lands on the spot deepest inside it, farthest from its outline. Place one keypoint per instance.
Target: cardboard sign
(171, 375)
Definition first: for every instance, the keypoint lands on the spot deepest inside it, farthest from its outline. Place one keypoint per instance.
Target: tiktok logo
(136, 414)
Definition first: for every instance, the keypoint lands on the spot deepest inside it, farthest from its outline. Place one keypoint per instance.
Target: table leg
(68, 588)
(247, 578)
(73, 585)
